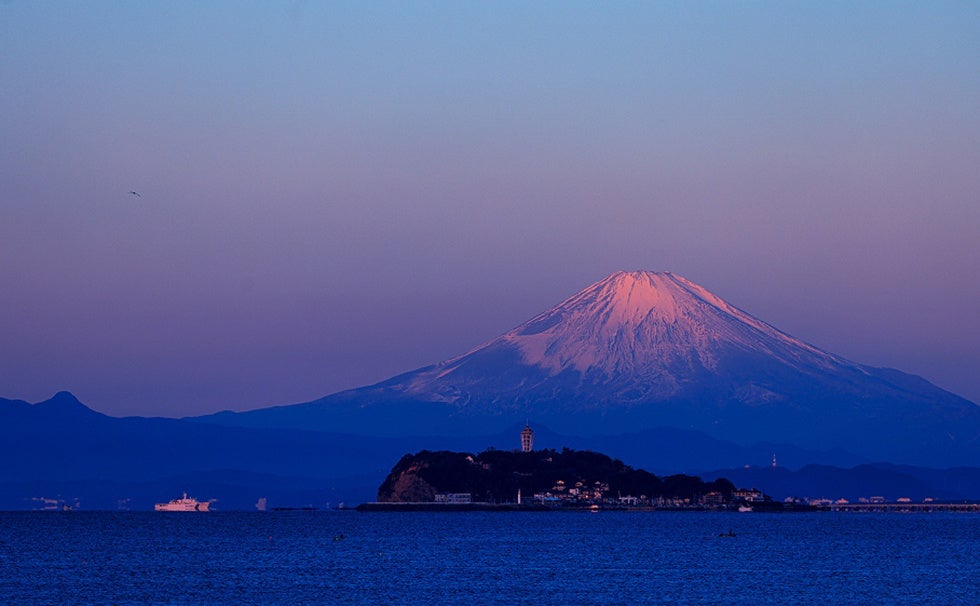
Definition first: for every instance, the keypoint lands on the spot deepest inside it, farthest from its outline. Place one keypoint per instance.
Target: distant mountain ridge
(61, 449)
(639, 350)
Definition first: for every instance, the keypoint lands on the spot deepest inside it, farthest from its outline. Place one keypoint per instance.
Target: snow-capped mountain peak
(643, 350)
(643, 323)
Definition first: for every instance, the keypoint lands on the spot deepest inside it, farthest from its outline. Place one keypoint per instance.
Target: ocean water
(488, 558)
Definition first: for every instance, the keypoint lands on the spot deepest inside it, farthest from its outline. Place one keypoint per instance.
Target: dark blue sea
(488, 558)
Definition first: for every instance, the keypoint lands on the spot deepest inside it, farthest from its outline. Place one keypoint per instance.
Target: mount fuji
(641, 350)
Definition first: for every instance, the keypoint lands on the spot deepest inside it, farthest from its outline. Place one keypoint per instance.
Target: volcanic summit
(643, 349)
(653, 334)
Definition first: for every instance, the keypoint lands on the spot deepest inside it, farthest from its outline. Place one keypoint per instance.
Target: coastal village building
(751, 495)
(527, 439)
(713, 498)
(454, 497)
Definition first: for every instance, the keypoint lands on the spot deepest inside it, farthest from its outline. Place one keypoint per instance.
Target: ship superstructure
(183, 504)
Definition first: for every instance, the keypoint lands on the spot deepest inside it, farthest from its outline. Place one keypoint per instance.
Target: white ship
(184, 504)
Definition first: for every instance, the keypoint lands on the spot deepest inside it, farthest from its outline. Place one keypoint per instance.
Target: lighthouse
(527, 439)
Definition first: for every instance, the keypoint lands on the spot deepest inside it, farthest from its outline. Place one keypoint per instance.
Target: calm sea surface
(488, 558)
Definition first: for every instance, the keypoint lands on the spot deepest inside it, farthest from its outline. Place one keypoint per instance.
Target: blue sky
(332, 193)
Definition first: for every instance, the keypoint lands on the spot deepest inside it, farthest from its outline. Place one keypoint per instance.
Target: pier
(965, 507)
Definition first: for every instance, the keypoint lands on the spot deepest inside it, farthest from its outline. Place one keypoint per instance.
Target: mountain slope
(642, 349)
(62, 446)
(62, 449)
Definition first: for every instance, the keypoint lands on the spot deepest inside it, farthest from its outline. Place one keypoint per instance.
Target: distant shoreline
(427, 506)
(772, 507)
(578, 508)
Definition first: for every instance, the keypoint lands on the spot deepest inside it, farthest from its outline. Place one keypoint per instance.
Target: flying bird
(136, 193)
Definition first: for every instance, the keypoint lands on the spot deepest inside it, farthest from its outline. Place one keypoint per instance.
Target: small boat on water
(744, 508)
(184, 504)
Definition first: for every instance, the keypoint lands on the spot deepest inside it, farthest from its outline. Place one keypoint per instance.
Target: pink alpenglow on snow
(641, 350)
(642, 322)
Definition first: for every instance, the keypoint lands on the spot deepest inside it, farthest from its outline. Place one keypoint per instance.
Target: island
(563, 479)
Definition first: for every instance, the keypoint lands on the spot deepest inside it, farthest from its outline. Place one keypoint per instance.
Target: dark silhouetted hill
(496, 476)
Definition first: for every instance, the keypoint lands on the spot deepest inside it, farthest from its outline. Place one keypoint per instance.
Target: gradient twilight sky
(333, 193)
